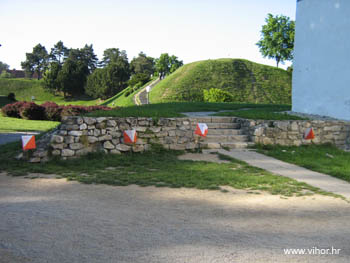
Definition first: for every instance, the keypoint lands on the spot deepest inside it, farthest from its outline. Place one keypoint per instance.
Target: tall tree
(142, 64)
(277, 38)
(72, 77)
(36, 61)
(174, 63)
(59, 52)
(85, 55)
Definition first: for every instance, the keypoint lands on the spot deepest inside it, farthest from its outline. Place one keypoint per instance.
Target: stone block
(181, 147)
(108, 145)
(140, 129)
(76, 146)
(56, 152)
(97, 132)
(69, 139)
(72, 127)
(35, 160)
(79, 120)
(105, 138)
(123, 147)
(92, 139)
(100, 119)
(67, 153)
(89, 120)
(111, 123)
(57, 139)
(57, 146)
(83, 126)
(75, 133)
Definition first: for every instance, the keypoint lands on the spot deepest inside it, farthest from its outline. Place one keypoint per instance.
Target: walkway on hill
(140, 98)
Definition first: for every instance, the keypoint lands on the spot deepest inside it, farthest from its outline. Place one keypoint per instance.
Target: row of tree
(77, 71)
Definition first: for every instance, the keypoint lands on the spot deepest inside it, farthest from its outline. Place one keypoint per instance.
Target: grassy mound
(24, 89)
(247, 81)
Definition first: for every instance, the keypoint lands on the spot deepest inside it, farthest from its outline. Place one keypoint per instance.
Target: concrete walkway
(141, 97)
(13, 136)
(322, 181)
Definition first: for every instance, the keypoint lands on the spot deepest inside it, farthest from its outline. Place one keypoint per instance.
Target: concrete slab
(322, 181)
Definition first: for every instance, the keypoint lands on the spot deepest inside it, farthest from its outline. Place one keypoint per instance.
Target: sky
(190, 29)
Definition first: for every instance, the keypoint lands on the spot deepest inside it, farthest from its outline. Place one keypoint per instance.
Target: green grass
(159, 168)
(174, 109)
(261, 114)
(24, 89)
(14, 124)
(321, 158)
(247, 81)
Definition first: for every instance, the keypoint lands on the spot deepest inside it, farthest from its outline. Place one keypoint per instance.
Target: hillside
(247, 81)
(24, 89)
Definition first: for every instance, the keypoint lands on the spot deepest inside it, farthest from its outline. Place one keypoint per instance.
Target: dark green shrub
(11, 96)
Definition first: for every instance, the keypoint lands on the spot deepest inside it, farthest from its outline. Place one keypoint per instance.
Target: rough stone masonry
(78, 136)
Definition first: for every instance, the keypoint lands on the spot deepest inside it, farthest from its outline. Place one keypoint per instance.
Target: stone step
(225, 138)
(236, 145)
(230, 145)
(225, 132)
(220, 125)
(214, 119)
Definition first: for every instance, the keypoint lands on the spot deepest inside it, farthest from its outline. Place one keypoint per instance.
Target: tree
(50, 77)
(277, 38)
(106, 82)
(59, 52)
(85, 55)
(72, 77)
(166, 64)
(142, 64)
(36, 61)
(3, 67)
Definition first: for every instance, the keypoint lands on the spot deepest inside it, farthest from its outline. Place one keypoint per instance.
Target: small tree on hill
(277, 38)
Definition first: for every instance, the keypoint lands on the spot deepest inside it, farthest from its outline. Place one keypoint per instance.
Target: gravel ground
(52, 220)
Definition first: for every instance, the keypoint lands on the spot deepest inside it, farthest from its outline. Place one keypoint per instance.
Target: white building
(321, 77)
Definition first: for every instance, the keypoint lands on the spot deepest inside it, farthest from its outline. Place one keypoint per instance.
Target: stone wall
(292, 132)
(78, 136)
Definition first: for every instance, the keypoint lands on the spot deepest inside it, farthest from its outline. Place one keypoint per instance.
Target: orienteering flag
(202, 129)
(130, 136)
(309, 134)
(28, 142)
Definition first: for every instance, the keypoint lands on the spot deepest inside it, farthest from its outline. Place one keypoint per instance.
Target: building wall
(321, 77)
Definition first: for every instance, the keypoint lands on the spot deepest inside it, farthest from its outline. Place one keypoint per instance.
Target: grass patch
(261, 114)
(158, 168)
(14, 124)
(321, 158)
(174, 109)
(248, 82)
(24, 89)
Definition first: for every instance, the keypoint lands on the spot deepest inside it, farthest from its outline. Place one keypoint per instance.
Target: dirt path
(52, 220)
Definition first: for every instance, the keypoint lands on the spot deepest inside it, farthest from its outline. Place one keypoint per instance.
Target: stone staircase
(223, 132)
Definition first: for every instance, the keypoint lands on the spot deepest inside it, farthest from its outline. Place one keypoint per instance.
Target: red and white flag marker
(202, 129)
(309, 134)
(28, 142)
(130, 136)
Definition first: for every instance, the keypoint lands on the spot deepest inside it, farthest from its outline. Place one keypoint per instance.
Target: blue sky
(192, 30)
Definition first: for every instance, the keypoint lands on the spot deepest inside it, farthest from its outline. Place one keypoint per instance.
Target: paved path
(59, 221)
(13, 136)
(322, 181)
(141, 98)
